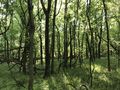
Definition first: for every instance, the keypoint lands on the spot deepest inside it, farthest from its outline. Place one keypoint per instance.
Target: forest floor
(65, 79)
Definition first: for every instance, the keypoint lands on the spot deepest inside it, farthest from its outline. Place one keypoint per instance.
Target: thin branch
(59, 9)
(7, 28)
(43, 6)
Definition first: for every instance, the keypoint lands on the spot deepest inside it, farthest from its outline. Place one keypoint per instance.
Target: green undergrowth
(67, 79)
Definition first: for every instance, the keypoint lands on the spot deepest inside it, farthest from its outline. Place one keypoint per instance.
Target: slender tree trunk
(40, 35)
(24, 26)
(47, 55)
(58, 44)
(6, 48)
(96, 45)
(74, 35)
(78, 27)
(108, 36)
(71, 51)
(41, 51)
(99, 43)
(31, 30)
(53, 38)
(25, 52)
(19, 50)
(90, 43)
(65, 35)
(80, 56)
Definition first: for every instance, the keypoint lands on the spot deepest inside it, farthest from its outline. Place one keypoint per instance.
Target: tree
(108, 36)
(65, 35)
(91, 41)
(47, 55)
(31, 30)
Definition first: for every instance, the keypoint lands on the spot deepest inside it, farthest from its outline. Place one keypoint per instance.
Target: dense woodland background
(59, 44)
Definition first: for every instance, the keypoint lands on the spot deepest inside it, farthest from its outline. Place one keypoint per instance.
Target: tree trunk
(71, 52)
(99, 43)
(53, 38)
(47, 55)
(31, 30)
(58, 44)
(41, 51)
(65, 35)
(91, 42)
(108, 36)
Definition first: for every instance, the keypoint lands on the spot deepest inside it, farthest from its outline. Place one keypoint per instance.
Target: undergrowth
(76, 78)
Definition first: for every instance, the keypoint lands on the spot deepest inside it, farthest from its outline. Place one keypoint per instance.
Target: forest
(59, 44)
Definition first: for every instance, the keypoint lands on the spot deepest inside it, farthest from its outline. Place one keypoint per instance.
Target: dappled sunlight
(65, 79)
(104, 78)
(100, 68)
(118, 70)
(76, 77)
(43, 84)
(52, 79)
(59, 45)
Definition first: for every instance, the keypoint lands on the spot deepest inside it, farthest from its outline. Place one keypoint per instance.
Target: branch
(59, 9)
(86, 88)
(7, 28)
(114, 47)
(43, 6)
(23, 11)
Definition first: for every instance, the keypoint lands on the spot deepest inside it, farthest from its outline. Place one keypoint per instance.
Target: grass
(102, 79)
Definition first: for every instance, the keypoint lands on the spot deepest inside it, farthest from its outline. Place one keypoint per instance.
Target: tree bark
(31, 30)
(65, 35)
(108, 36)
(47, 55)
(53, 37)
